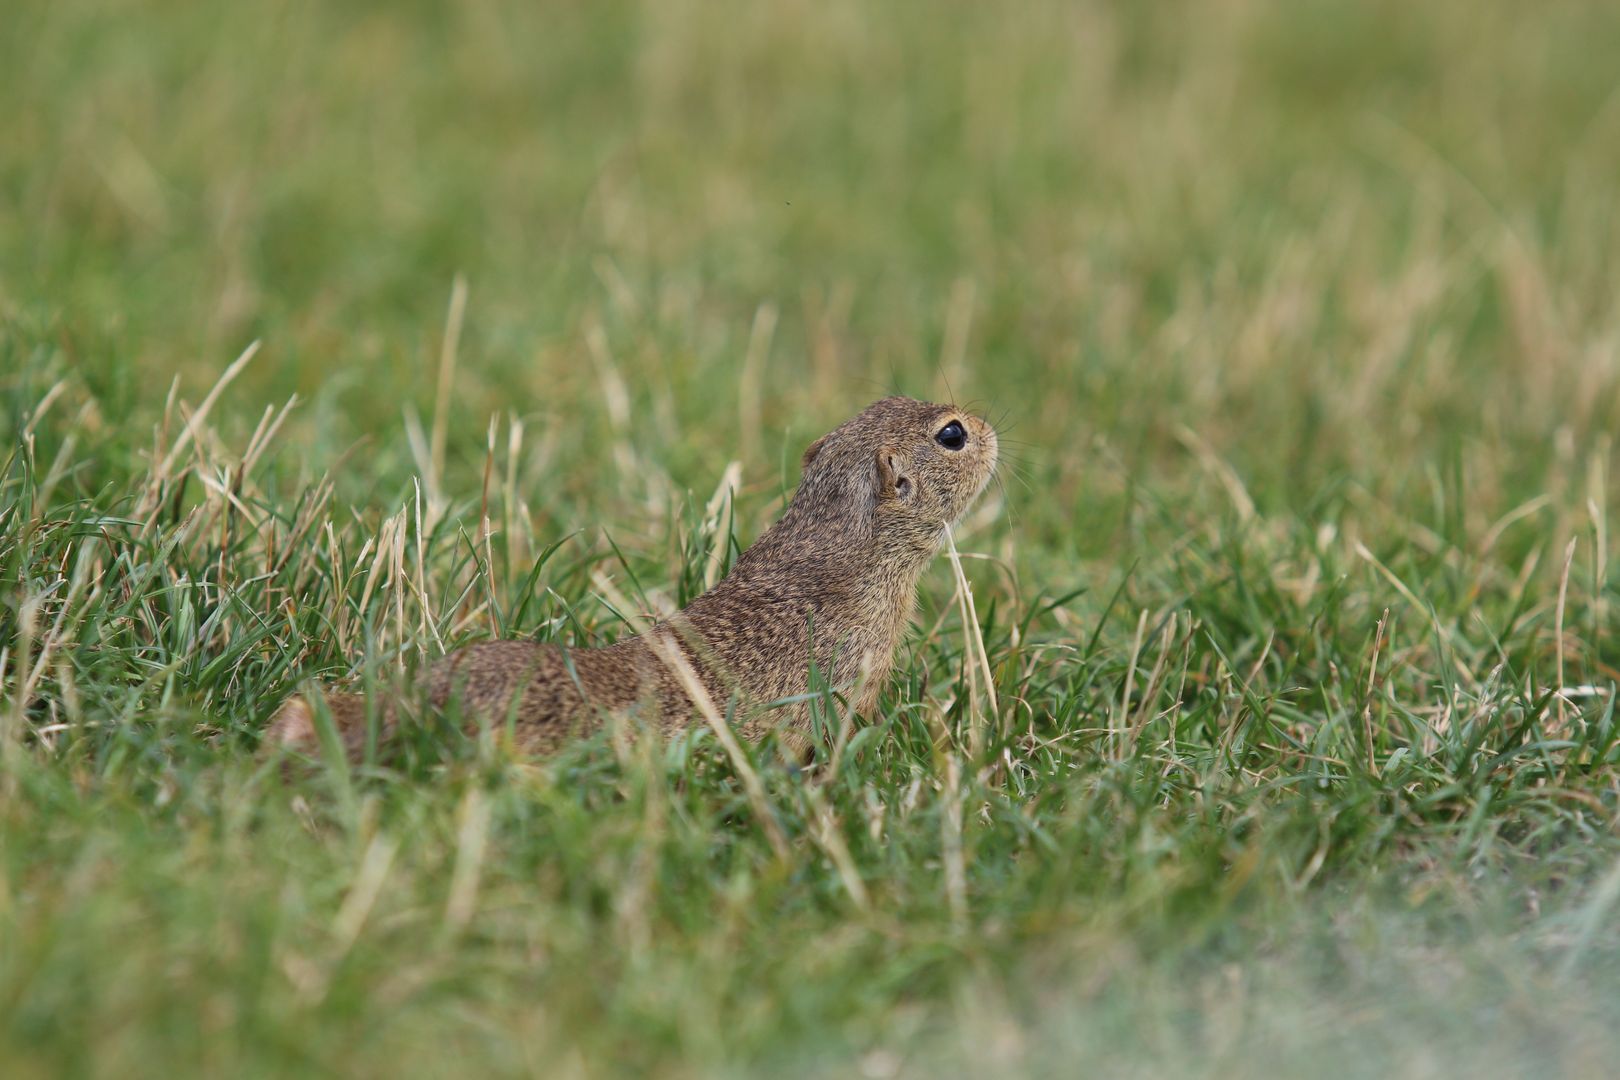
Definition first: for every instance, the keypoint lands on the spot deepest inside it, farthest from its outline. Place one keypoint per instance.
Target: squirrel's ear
(893, 476)
(810, 454)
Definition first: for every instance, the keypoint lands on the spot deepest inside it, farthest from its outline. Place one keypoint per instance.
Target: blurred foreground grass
(1302, 318)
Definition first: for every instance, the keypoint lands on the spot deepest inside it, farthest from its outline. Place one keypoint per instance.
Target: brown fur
(833, 581)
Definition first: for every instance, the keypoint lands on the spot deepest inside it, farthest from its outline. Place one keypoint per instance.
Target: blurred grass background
(1302, 318)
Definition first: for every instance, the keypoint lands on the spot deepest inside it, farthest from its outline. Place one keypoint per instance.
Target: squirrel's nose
(987, 438)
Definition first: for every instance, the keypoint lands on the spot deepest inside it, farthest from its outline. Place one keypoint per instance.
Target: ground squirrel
(830, 586)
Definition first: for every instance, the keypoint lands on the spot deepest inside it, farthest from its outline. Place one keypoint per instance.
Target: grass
(1297, 602)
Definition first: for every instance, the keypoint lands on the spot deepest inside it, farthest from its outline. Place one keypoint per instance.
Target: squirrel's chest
(872, 648)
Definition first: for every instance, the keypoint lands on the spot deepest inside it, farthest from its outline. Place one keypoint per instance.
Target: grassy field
(1302, 319)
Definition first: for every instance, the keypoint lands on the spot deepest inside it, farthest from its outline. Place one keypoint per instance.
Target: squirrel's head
(911, 467)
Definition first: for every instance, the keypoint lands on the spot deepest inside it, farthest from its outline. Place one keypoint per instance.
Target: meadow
(1278, 738)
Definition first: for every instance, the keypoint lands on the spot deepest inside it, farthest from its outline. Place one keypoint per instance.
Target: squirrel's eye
(952, 436)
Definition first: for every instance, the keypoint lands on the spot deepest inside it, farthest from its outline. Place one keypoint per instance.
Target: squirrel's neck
(797, 595)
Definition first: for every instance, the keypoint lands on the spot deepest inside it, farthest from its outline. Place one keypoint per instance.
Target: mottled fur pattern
(832, 583)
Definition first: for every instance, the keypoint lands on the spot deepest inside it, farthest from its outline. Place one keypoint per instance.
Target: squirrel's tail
(296, 727)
